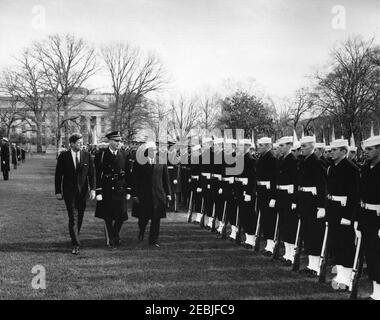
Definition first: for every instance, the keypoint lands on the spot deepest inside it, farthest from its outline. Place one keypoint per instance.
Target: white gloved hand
(321, 213)
(169, 197)
(220, 191)
(294, 206)
(358, 233)
(128, 196)
(92, 194)
(378, 233)
(99, 197)
(247, 197)
(199, 190)
(345, 222)
(175, 181)
(272, 203)
(189, 180)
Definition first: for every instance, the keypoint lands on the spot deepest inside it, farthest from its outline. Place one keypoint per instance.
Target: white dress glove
(294, 206)
(345, 222)
(321, 213)
(128, 196)
(175, 181)
(199, 190)
(247, 197)
(220, 191)
(99, 197)
(272, 203)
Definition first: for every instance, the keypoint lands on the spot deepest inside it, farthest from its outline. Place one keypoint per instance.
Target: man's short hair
(75, 137)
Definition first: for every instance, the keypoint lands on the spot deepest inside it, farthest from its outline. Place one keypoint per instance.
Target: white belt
(341, 199)
(244, 181)
(229, 179)
(313, 190)
(218, 176)
(369, 206)
(207, 175)
(195, 177)
(264, 183)
(170, 167)
(288, 187)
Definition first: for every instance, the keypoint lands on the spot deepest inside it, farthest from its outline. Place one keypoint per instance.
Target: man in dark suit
(151, 191)
(113, 185)
(74, 175)
(5, 158)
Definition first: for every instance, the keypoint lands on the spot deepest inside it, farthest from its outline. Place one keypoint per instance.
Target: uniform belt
(195, 177)
(114, 176)
(287, 187)
(170, 167)
(341, 199)
(244, 181)
(229, 179)
(373, 207)
(207, 175)
(264, 183)
(218, 176)
(313, 190)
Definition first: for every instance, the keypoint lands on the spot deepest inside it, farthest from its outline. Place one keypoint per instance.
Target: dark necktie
(76, 160)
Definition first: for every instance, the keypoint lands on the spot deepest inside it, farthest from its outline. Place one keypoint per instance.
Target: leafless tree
(209, 111)
(350, 89)
(157, 118)
(133, 76)
(184, 117)
(66, 63)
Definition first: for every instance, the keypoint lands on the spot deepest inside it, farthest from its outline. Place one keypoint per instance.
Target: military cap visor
(115, 135)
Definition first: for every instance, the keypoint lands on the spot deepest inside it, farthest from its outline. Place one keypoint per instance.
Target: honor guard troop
(305, 198)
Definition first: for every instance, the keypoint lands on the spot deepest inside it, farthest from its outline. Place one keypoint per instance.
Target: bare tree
(133, 77)
(157, 116)
(66, 64)
(350, 90)
(184, 117)
(209, 111)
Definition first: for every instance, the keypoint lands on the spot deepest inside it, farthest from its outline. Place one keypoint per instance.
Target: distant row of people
(11, 153)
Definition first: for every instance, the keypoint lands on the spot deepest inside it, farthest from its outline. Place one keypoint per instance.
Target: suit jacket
(71, 181)
(151, 186)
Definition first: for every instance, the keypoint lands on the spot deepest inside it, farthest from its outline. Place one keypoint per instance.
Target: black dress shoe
(141, 237)
(75, 250)
(288, 263)
(154, 244)
(266, 253)
(248, 246)
(308, 272)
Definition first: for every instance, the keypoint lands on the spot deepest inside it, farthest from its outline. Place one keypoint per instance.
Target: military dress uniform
(195, 185)
(174, 169)
(113, 182)
(369, 217)
(266, 190)
(245, 193)
(341, 205)
(311, 196)
(285, 197)
(205, 183)
(4, 157)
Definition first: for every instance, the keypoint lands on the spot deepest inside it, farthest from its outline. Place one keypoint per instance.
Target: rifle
(297, 247)
(323, 258)
(224, 229)
(257, 233)
(238, 232)
(355, 275)
(276, 239)
(213, 229)
(175, 202)
(202, 222)
(190, 211)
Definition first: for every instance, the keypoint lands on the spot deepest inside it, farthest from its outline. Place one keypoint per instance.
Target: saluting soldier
(368, 226)
(285, 197)
(342, 203)
(311, 197)
(266, 191)
(5, 168)
(113, 181)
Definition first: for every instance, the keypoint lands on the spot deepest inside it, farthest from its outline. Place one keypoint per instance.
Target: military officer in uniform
(368, 226)
(311, 197)
(285, 198)
(266, 191)
(342, 203)
(113, 182)
(5, 158)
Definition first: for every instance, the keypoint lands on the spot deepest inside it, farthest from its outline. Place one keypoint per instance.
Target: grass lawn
(191, 263)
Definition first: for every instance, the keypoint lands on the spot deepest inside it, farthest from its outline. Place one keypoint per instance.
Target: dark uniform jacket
(266, 171)
(5, 157)
(286, 175)
(113, 181)
(70, 181)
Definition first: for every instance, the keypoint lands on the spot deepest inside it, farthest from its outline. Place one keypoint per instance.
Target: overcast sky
(203, 42)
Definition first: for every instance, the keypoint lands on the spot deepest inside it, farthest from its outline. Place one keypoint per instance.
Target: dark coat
(14, 155)
(70, 181)
(113, 181)
(150, 186)
(5, 157)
